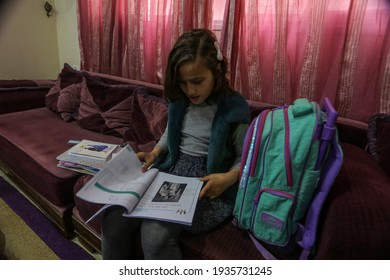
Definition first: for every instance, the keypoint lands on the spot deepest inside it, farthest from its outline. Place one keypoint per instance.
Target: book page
(169, 198)
(121, 182)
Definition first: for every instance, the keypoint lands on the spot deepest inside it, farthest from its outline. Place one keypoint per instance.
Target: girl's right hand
(149, 158)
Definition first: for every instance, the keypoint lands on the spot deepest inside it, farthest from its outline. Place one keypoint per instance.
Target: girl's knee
(115, 225)
(155, 233)
(158, 237)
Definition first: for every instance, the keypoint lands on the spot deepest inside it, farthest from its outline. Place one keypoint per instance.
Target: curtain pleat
(312, 50)
(280, 50)
(346, 89)
(132, 38)
(385, 87)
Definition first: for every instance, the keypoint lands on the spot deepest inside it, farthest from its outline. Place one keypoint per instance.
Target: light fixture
(49, 9)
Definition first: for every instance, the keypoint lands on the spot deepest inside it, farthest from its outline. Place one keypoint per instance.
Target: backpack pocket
(272, 217)
(243, 208)
(308, 187)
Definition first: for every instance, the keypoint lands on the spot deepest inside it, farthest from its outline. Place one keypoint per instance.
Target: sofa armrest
(20, 95)
(352, 132)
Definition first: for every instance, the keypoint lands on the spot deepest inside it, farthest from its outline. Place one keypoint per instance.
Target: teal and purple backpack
(291, 157)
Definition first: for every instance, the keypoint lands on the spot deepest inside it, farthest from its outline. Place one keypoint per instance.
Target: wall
(67, 33)
(28, 41)
(33, 46)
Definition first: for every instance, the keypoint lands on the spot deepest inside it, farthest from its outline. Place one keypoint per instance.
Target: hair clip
(219, 53)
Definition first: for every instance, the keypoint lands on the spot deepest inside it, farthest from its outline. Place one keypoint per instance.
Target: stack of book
(87, 156)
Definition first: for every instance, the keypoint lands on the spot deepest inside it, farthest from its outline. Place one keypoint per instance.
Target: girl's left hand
(217, 183)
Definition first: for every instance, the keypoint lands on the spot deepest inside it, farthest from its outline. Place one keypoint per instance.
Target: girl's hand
(149, 158)
(217, 183)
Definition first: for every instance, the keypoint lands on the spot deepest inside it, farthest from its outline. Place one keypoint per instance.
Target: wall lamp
(48, 9)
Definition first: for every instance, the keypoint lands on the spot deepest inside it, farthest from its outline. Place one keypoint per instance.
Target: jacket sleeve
(238, 143)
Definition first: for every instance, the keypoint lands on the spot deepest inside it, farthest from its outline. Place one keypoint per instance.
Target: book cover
(85, 163)
(85, 169)
(81, 160)
(93, 149)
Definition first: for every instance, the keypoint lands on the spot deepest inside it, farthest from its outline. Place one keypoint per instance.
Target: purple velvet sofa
(37, 118)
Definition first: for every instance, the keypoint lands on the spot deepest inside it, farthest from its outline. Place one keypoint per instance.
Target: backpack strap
(263, 251)
(328, 131)
(330, 169)
(330, 148)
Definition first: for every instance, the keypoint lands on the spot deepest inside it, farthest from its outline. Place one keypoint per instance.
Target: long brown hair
(196, 44)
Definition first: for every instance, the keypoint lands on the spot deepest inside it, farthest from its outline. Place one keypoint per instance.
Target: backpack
(291, 156)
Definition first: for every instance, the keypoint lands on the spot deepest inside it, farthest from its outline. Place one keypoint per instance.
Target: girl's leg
(118, 234)
(160, 240)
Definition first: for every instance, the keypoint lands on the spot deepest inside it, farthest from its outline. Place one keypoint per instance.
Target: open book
(150, 195)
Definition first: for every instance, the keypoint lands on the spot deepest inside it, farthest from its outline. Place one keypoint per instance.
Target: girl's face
(196, 81)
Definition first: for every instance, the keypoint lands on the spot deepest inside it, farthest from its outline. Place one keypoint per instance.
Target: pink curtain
(132, 38)
(280, 50)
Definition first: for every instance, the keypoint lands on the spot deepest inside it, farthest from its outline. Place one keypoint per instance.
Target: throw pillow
(69, 102)
(378, 140)
(149, 115)
(105, 108)
(155, 111)
(67, 77)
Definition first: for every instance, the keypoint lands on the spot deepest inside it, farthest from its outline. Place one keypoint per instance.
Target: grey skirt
(209, 213)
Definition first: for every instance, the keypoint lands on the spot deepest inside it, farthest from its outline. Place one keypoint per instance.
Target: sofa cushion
(356, 214)
(68, 76)
(105, 108)
(255, 108)
(31, 140)
(226, 242)
(378, 140)
(149, 115)
(154, 109)
(85, 208)
(12, 84)
(32, 92)
(69, 102)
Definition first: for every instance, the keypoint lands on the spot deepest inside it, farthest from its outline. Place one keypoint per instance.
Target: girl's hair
(196, 44)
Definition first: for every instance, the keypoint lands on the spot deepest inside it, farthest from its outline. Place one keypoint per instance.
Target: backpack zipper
(247, 150)
(258, 141)
(287, 154)
(249, 146)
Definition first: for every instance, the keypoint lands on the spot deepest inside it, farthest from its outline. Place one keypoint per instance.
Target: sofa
(38, 118)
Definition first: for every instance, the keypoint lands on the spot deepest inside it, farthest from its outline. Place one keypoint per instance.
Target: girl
(207, 122)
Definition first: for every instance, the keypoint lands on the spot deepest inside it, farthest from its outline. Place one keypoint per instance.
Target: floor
(2, 244)
(98, 256)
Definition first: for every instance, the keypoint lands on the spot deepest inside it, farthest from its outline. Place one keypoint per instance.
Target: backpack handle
(301, 107)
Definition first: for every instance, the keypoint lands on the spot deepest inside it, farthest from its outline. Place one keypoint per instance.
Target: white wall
(33, 46)
(68, 42)
(28, 41)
